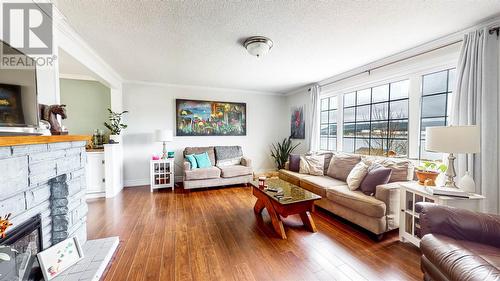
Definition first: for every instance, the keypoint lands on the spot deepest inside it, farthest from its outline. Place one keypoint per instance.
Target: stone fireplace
(46, 179)
(46, 182)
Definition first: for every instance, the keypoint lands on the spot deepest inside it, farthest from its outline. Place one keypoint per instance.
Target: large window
(328, 120)
(376, 120)
(435, 108)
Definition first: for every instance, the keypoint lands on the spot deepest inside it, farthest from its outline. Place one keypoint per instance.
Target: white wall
(152, 106)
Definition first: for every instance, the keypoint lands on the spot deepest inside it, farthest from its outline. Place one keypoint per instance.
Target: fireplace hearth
(22, 243)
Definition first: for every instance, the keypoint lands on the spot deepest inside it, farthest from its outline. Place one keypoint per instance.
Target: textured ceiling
(199, 42)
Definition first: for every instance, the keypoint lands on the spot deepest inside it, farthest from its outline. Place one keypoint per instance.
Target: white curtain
(315, 118)
(475, 102)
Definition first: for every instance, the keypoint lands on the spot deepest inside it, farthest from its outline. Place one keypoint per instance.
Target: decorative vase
(423, 176)
(467, 183)
(115, 138)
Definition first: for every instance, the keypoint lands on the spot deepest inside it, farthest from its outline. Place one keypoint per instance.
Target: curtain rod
(491, 31)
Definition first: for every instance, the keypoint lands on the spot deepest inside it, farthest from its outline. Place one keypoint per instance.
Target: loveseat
(458, 244)
(228, 166)
(377, 213)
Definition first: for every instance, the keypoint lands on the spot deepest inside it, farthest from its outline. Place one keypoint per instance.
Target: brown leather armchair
(459, 244)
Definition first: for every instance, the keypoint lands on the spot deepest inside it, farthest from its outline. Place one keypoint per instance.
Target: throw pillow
(190, 158)
(229, 162)
(342, 164)
(312, 165)
(202, 160)
(294, 163)
(357, 175)
(377, 175)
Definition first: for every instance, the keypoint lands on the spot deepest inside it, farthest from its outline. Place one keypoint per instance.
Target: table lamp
(452, 139)
(164, 136)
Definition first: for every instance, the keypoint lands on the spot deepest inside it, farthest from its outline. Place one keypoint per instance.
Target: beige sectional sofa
(218, 174)
(378, 213)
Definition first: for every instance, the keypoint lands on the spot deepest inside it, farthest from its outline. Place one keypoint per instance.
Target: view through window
(328, 120)
(436, 106)
(376, 120)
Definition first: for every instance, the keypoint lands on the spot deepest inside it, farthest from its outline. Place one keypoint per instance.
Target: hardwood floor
(213, 234)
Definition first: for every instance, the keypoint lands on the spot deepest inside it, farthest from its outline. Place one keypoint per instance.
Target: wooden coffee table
(300, 202)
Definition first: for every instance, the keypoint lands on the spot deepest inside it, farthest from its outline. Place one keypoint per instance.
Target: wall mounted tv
(18, 94)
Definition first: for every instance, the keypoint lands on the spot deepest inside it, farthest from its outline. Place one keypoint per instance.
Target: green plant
(281, 150)
(115, 122)
(430, 166)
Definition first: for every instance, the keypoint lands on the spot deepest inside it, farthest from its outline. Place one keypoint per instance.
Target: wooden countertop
(24, 140)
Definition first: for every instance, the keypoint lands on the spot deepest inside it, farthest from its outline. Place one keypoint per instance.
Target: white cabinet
(105, 171)
(409, 219)
(162, 173)
(96, 182)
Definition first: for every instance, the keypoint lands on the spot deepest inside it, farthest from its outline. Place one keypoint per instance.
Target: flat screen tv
(18, 95)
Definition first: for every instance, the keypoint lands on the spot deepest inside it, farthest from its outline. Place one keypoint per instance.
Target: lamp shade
(164, 135)
(453, 139)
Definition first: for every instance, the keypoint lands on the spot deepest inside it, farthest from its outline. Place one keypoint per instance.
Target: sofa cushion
(291, 177)
(457, 259)
(294, 162)
(342, 164)
(202, 160)
(228, 155)
(192, 161)
(328, 157)
(357, 175)
(312, 164)
(235, 171)
(202, 173)
(377, 175)
(197, 150)
(319, 184)
(356, 200)
(402, 169)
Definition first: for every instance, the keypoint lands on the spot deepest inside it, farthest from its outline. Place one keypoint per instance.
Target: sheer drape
(315, 118)
(476, 102)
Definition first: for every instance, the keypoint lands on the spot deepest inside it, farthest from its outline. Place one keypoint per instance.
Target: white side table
(412, 193)
(162, 173)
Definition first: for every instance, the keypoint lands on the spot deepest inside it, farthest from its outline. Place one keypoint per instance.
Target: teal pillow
(192, 161)
(202, 160)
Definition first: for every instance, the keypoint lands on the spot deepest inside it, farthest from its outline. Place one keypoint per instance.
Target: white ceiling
(199, 42)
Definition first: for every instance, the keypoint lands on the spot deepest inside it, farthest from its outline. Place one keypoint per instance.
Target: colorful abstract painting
(297, 125)
(210, 118)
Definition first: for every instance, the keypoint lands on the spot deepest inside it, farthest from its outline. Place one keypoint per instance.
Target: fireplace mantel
(26, 140)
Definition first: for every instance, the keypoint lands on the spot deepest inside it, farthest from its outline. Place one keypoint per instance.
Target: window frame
(413, 73)
(448, 94)
(329, 111)
(385, 139)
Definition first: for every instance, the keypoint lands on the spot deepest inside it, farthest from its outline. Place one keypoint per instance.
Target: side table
(412, 193)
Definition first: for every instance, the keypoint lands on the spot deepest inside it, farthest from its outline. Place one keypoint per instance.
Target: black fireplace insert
(22, 244)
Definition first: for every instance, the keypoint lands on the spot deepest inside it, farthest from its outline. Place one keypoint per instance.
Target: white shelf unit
(412, 193)
(162, 173)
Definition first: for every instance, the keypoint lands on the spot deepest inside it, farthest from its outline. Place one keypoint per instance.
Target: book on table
(448, 191)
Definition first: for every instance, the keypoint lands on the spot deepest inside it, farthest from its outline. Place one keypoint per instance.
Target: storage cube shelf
(162, 173)
(411, 194)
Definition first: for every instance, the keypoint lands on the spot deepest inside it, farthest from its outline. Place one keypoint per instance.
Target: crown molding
(184, 86)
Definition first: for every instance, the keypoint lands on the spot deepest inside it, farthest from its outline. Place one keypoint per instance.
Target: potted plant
(281, 151)
(115, 125)
(429, 171)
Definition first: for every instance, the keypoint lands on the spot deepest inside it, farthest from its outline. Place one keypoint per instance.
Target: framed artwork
(210, 118)
(59, 257)
(297, 124)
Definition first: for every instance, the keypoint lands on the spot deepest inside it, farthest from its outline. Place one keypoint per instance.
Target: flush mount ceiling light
(258, 45)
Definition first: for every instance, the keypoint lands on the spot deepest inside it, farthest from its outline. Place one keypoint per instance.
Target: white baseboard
(141, 182)
(136, 182)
